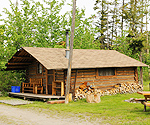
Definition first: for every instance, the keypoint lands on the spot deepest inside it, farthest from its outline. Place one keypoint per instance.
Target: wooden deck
(35, 96)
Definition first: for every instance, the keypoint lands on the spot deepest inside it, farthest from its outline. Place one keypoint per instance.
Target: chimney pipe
(67, 44)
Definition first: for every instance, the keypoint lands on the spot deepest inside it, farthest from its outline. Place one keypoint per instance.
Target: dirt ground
(11, 115)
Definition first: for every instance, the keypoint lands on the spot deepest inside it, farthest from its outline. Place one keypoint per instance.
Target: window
(39, 68)
(106, 72)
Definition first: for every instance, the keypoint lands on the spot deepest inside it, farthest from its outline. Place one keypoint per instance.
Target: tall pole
(147, 3)
(70, 54)
(107, 28)
(16, 3)
(122, 18)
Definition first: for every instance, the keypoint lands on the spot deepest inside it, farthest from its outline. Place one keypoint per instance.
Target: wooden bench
(144, 102)
(141, 100)
(34, 86)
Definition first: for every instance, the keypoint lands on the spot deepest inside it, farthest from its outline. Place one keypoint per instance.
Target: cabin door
(50, 80)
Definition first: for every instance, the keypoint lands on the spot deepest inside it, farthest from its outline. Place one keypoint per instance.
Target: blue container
(15, 89)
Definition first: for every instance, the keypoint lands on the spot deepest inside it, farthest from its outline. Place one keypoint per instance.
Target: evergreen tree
(101, 6)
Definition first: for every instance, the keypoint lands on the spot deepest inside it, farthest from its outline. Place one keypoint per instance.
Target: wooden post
(107, 31)
(136, 75)
(62, 88)
(46, 81)
(141, 75)
(70, 54)
(141, 71)
(75, 84)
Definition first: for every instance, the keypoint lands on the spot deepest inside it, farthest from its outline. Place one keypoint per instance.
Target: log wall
(31, 72)
(59, 75)
(122, 75)
(79, 76)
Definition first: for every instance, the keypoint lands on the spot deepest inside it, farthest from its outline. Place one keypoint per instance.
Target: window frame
(39, 68)
(106, 75)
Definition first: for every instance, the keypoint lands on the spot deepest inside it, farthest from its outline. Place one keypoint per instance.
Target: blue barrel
(15, 89)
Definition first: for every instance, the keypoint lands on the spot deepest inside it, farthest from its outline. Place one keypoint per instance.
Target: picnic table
(147, 98)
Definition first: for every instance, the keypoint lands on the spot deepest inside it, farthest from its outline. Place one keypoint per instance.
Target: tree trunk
(122, 19)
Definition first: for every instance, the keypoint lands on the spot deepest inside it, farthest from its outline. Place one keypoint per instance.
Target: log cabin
(46, 69)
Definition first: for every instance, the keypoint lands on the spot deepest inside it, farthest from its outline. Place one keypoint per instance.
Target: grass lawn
(111, 109)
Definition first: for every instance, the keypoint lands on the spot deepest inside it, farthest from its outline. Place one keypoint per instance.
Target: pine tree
(102, 23)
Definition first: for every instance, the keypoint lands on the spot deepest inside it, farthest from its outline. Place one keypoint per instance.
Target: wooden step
(28, 90)
(56, 102)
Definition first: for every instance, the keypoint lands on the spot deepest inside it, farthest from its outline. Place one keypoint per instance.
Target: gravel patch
(10, 115)
(16, 102)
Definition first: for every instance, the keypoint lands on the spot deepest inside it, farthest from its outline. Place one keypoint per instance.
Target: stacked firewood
(86, 89)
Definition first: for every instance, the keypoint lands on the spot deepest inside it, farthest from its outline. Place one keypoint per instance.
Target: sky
(87, 4)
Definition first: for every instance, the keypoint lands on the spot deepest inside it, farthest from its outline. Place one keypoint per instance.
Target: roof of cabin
(54, 58)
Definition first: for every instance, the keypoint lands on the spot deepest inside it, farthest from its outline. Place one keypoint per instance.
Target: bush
(10, 78)
(146, 74)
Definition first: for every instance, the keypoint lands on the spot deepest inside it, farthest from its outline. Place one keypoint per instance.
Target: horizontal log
(16, 67)
(86, 70)
(59, 77)
(59, 73)
(33, 65)
(23, 57)
(104, 88)
(87, 73)
(30, 73)
(17, 63)
(56, 75)
(114, 78)
(105, 80)
(36, 77)
(61, 70)
(58, 80)
(32, 69)
(126, 74)
(125, 71)
(83, 79)
(121, 81)
(83, 76)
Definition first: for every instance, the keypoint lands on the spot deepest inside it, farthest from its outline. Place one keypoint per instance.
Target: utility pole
(16, 3)
(107, 28)
(70, 54)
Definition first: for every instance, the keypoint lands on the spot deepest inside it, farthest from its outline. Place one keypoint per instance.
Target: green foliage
(146, 74)
(136, 42)
(84, 32)
(34, 24)
(10, 78)
(122, 46)
(101, 6)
